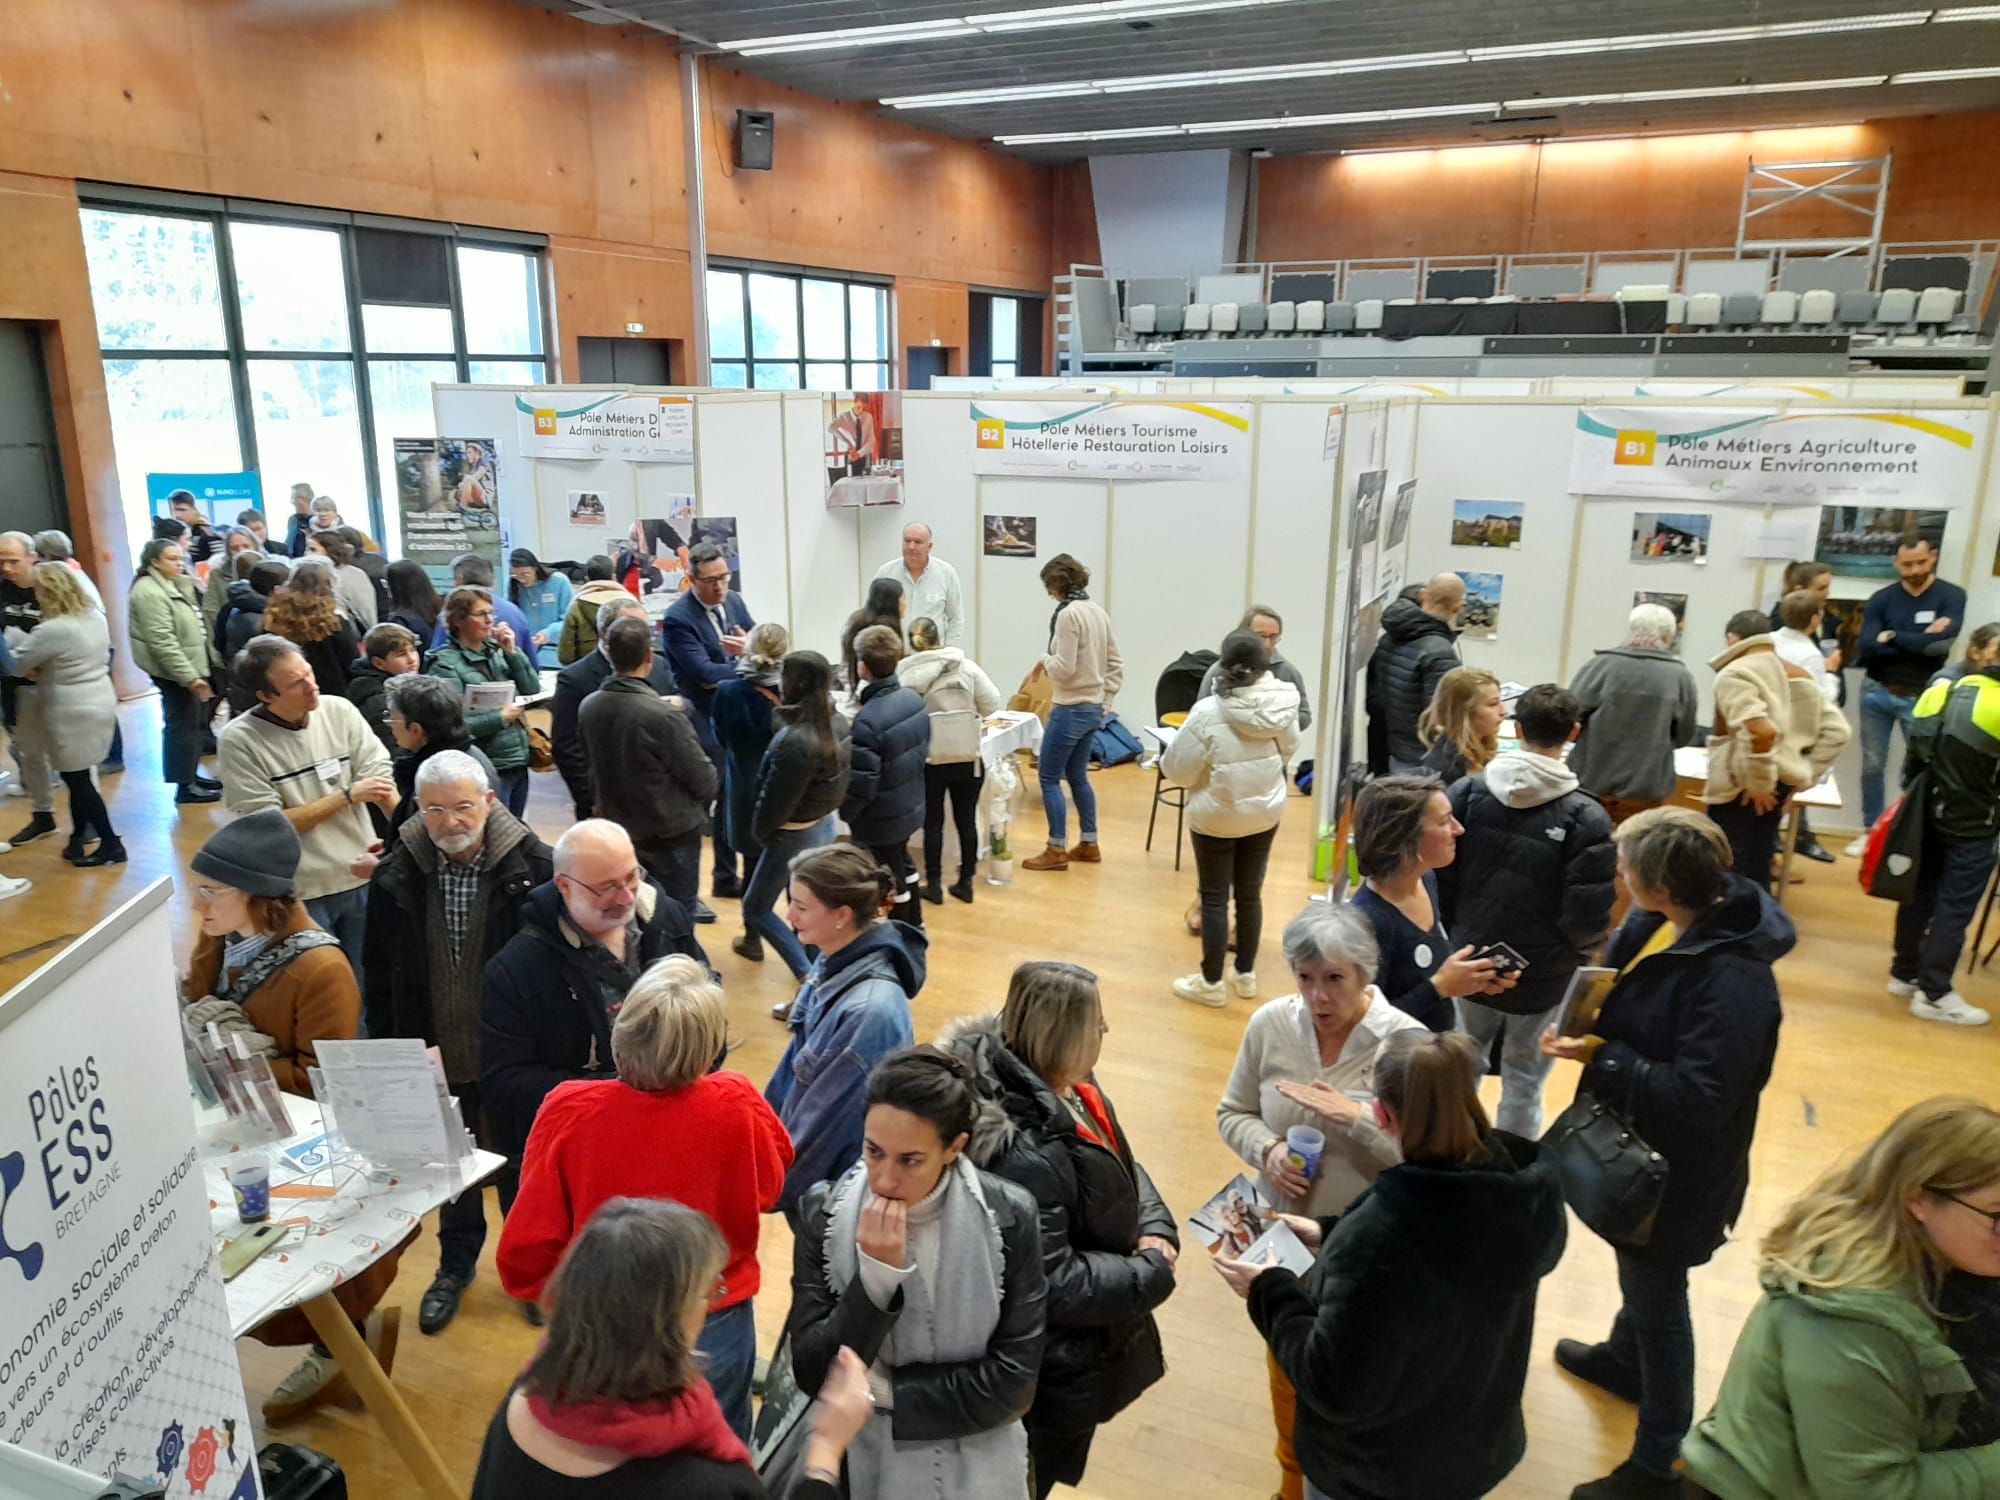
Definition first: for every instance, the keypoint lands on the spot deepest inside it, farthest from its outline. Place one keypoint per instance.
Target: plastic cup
(250, 1180)
(1303, 1148)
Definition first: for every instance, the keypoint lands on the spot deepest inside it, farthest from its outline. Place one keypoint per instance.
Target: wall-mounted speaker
(756, 130)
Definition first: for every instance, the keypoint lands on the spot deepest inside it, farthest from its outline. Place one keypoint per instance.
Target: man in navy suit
(703, 633)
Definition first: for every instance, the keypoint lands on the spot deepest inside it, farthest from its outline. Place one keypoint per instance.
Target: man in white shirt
(930, 584)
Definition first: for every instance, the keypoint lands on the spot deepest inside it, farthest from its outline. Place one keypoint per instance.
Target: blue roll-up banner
(220, 496)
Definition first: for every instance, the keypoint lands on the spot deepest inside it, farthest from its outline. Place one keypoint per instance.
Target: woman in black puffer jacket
(1108, 1242)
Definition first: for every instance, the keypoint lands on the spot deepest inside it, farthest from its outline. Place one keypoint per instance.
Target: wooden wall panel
(600, 288)
(927, 310)
(1665, 192)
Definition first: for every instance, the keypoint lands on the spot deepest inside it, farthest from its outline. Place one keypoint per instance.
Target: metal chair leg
(1159, 780)
(1180, 813)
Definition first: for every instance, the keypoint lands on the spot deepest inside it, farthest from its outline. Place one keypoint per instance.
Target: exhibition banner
(115, 1347)
(1875, 458)
(221, 497)
(577, 424)
(447, 493)
(1112, 439)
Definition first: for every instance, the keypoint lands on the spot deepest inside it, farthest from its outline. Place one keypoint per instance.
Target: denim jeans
(768, 882)
(676, 864)
(1930, 926)
(513, 791)
(1065, 756)
(345, 915)
(1522, 1066)
(1881, 712)
(462, 1222)
(1223, 866)
(1753, 837)
(728, 1347)
(1654, 1335)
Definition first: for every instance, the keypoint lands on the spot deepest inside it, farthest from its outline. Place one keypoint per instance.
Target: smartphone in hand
(1504, 958)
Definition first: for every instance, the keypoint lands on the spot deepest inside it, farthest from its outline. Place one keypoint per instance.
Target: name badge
(329, 770)
(1925, 616)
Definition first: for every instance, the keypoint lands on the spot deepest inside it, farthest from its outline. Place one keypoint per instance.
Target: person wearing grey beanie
(257, 854)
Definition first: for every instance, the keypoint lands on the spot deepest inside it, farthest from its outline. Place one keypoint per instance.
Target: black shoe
(963, 890)
(531, 1314)
(1594, 1363)
(1816, 851)
(728, 888)
(933, 893)
(701, 912)
(440, 1304)
(208, 783)
(195, 792)
(748, 946)
(108, 852)
(77, 850)
(1629, 1482)
(40, 826)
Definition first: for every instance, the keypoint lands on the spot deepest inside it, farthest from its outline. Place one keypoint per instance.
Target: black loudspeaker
(756, 129)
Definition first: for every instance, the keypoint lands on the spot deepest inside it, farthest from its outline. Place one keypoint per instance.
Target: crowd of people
(979, 1253)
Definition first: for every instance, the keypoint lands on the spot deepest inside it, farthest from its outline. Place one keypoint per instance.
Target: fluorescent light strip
(1584, 140)
(1653, 96)
(1646, 41)
(1944, 75)
(992, 22)
(1275, 122)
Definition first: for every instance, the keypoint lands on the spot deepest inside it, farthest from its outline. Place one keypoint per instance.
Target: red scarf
(690, 1422)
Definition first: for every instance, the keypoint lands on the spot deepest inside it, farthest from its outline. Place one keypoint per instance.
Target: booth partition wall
(295, 342)
(779, 330)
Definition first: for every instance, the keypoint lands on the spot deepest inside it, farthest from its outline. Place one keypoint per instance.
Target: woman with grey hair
(1645, 697)
(425, 715)
(675, 1125)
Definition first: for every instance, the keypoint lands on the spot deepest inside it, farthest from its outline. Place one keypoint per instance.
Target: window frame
(799, 276)
(221, 214)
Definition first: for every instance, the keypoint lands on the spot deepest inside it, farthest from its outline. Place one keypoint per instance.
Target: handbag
(783, 1426)
(1895, 845)
(541, 749)
(1609, 1175)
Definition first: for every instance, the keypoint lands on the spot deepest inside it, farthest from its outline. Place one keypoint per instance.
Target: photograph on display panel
(1676, 605)
(1368, 506)
(1670, 536)
(1486, 523)
(864, 448)
(586, 508)
(1481, 618)
(657, 548)
(1860, 541)
(1010, 536)
(1399, 514)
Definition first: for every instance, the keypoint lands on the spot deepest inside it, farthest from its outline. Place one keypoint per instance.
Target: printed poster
(1748, 457)
(447, 494)
(1123, 439)
(577, 424)
(864, 448)
(659, 545)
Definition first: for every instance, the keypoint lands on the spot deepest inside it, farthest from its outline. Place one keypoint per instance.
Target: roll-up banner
(1122, 440)
(580, 424)
(1750, 457)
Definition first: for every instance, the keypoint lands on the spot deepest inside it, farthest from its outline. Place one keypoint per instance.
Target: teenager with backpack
(957, 696)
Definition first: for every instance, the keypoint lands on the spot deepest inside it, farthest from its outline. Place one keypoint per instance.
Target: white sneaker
(14, 787)
(1858, 848)
(1201, 992)
(1244, 983)
(12, 887)
(1951, 1008)
(1902, 989)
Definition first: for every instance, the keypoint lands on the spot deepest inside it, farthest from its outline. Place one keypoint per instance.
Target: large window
(1006, 334)
(300, 347)
(774, 330)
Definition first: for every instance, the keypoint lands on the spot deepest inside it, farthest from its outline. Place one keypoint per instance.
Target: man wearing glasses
(446, 898)
(318, 761)
(550, 994)
(704, 633)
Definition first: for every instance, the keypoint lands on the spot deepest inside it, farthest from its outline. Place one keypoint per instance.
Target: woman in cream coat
(69, 655)
(1231, 755)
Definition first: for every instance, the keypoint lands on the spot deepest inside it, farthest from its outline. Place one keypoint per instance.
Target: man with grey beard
(446, 898)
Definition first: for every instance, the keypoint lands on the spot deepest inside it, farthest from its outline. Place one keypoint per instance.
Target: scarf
(951, 1306)
(762, 675)
(1067, 600)
(690, 1421)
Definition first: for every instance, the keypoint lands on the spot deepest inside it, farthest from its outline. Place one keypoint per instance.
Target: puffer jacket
(885, 787)
(1095, 1203)
(1231, 755)
(164, 624)
(955, 729)
(1415, 652)
(795, 784)
(505, 744)
(852, 1011)
(579, 626)
(1751, 683)
(1535, 869)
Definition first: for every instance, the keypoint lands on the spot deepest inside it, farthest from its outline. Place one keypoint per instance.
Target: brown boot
(1055, 857)
(1087, 853)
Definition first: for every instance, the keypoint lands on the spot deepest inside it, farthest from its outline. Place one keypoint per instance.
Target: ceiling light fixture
(992, 22)
(1271, 122)
(1389, 62)
(1516, 143)
(1655, 96)
(1944, 75)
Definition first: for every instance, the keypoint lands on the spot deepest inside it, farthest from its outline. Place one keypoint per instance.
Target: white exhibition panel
(739, 471)
(1292, 537)
(1805, 388)
(825, 544)
(1179, 568)
(939, 490)
(1073, 516)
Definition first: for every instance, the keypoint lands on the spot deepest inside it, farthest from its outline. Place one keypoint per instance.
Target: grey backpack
(954, 718)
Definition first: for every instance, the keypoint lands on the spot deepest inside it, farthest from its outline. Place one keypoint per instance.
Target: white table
(350, 1220)
(1002, 733)
(1691, 764)
(858, 491)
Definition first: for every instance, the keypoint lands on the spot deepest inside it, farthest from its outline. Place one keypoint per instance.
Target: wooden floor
(1848, 1060)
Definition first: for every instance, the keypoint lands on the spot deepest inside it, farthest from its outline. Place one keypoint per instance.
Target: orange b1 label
(1635, 448)
(992, 433)
(545, 421)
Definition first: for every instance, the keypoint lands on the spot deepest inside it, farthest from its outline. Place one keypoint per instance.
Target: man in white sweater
(318, 761)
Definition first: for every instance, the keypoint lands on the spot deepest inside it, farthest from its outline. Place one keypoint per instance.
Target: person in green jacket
(480, 651)
(1843, 1385)
(171, 645)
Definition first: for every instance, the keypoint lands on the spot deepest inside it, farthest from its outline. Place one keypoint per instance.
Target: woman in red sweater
(672, 1125)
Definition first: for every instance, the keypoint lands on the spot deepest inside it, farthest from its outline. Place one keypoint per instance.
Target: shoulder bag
(1609, 1175)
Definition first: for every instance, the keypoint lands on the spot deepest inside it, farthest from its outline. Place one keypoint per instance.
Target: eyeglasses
(1991, 1216)
(603, 891)
(206, 894)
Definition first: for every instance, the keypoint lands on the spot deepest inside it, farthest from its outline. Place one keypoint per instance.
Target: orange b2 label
(1635, 448)
(992, 433)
